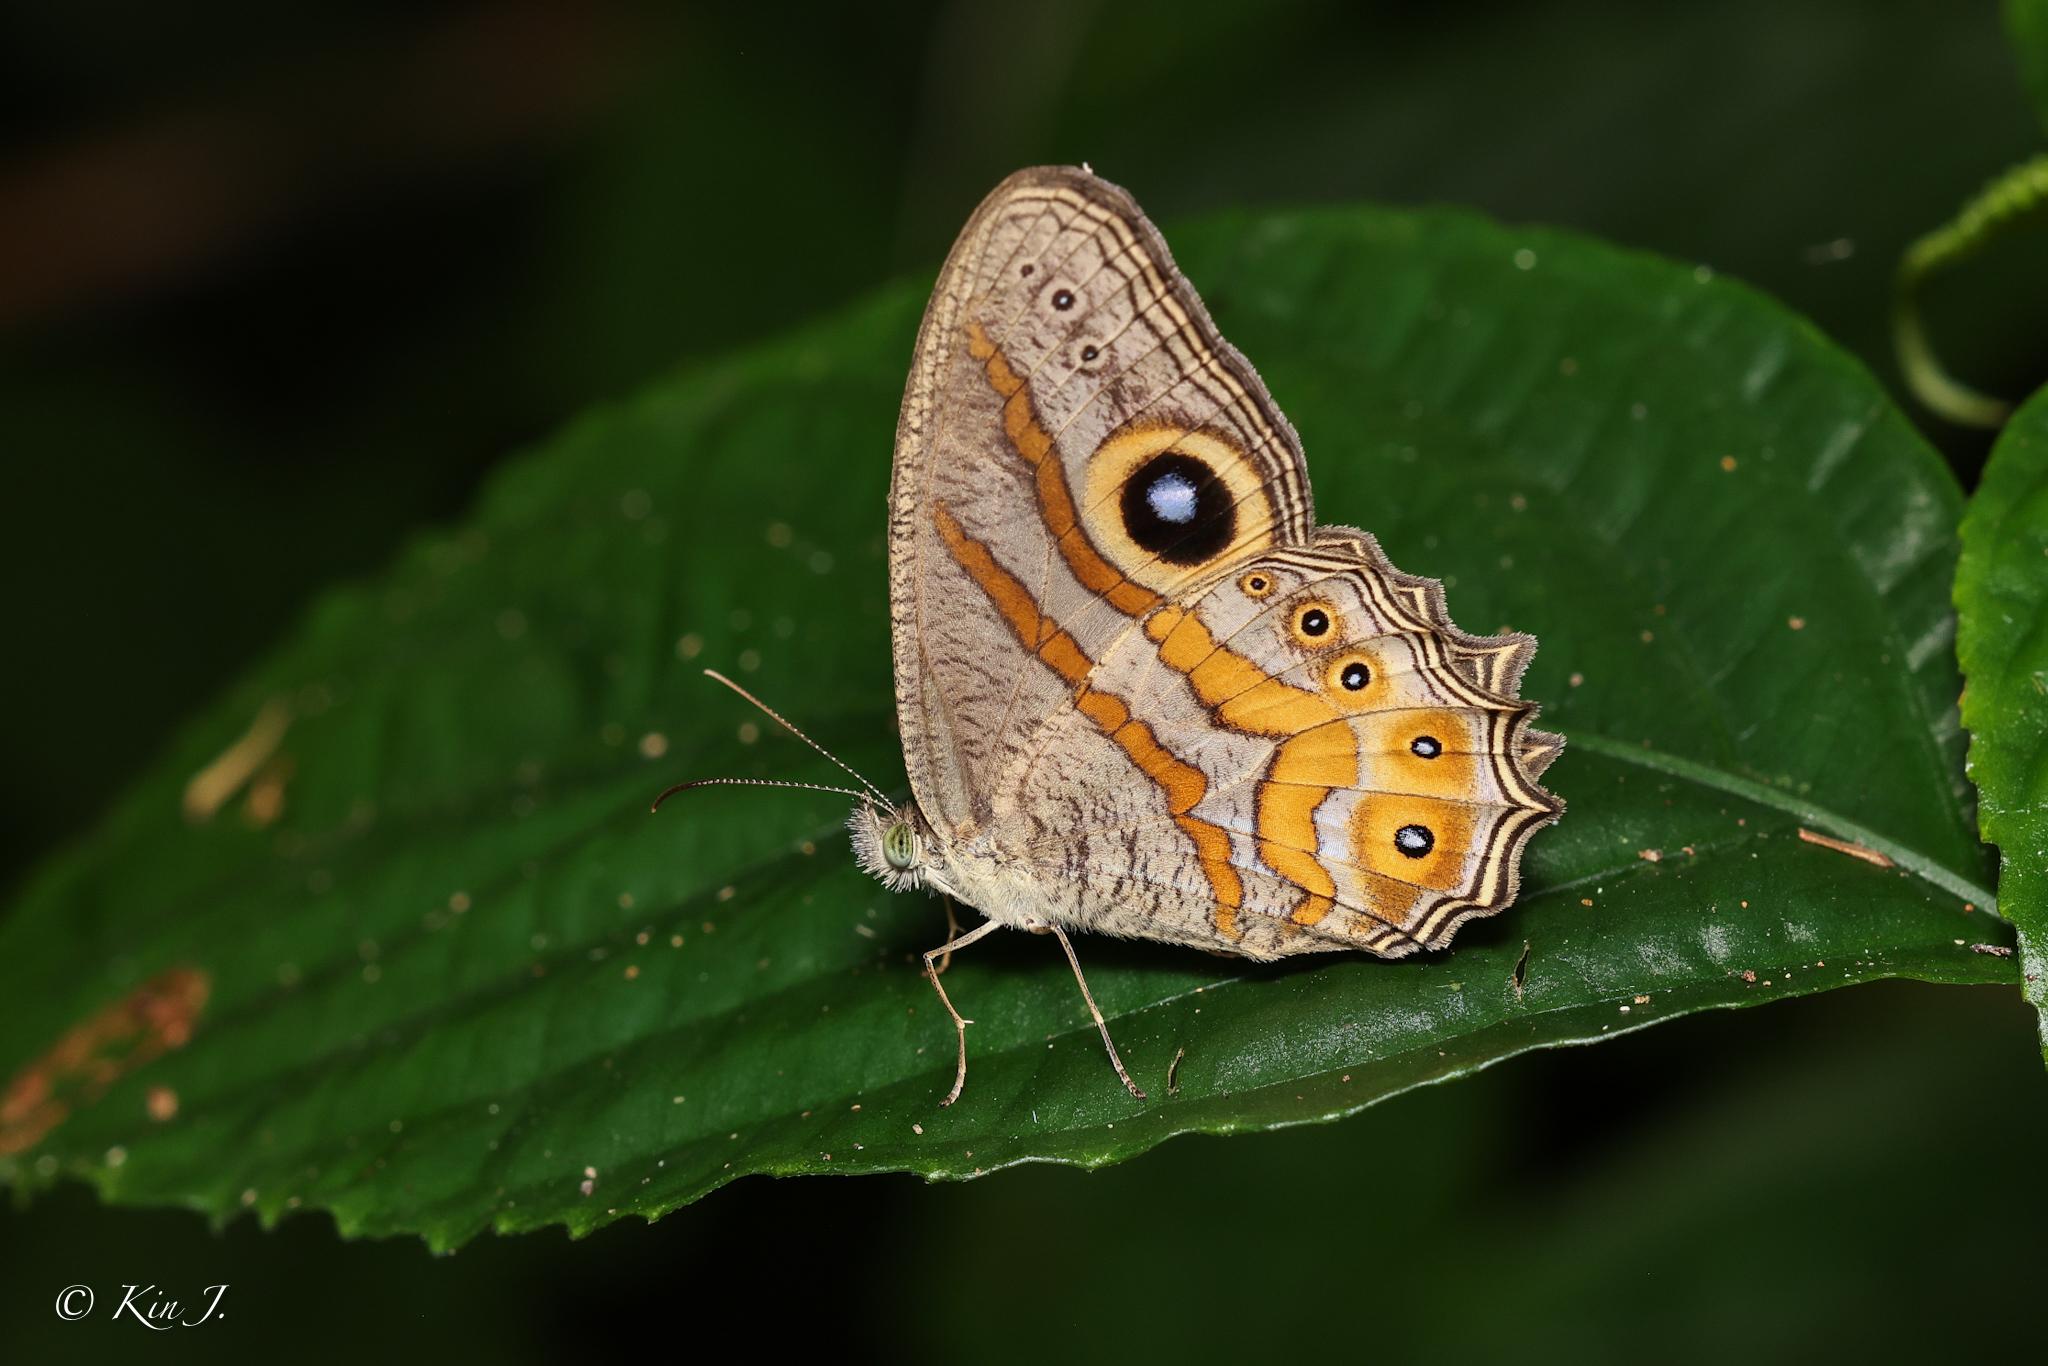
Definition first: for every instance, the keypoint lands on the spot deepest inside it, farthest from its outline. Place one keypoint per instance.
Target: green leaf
(2027, 22)
(2002, 641)
(465, 981)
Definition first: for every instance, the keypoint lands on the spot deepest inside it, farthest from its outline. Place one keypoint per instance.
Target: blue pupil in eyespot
(1172, 498)
(1175, 508)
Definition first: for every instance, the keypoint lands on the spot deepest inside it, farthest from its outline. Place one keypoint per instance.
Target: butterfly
(1141, 692)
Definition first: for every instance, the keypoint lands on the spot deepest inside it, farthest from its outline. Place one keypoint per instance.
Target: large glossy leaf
(2002, 640)
(438, 970)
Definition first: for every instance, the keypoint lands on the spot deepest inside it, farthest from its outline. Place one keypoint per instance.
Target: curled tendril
(2009, 201)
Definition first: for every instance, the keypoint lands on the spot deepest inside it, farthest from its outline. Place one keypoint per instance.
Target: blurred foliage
(2027, 20)
(203, 429)
(2012, 202)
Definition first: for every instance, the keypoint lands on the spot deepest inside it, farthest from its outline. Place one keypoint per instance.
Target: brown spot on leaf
(265, 802)
(92, 1055)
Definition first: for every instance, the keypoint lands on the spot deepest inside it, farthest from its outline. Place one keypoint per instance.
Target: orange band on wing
(1304, 771)
(1242, 695)
(1055, 499)
(1318, 754)
(1183, 784)
(1019, 608)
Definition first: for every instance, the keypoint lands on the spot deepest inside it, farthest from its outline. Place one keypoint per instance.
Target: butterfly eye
(1255, 584)
(899, 846)
(1313, 623)
(1414, 840)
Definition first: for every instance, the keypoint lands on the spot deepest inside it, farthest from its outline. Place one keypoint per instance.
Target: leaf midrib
(1923, 865)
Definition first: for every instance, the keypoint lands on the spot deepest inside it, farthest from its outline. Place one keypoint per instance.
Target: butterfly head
(893, 844)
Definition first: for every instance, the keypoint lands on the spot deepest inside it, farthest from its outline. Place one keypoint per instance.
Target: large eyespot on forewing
(1165, 504)
(1176, 507)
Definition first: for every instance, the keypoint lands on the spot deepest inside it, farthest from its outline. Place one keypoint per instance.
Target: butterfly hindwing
(1372, 789)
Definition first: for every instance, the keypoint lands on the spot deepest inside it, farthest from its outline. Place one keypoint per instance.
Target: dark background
(279, 284)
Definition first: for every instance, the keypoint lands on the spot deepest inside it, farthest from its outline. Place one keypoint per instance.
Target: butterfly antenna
(787, 725)
(756, 782)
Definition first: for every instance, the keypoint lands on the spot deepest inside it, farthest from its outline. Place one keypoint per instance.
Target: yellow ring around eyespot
(1120, 457)
(1321, 638)
(1351, 699)
(1256, 584)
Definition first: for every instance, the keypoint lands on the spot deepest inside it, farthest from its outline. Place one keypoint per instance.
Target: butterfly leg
(945, 950)
(959, 1023)
(1100, 1023)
